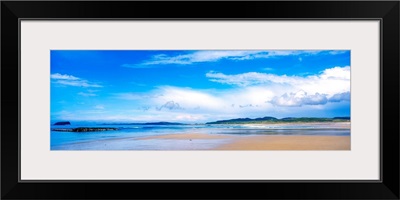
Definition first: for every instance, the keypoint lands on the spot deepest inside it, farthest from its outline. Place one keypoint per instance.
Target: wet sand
(188, 136)
(267, 142)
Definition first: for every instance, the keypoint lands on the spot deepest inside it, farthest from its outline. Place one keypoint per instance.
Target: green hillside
(269, 120)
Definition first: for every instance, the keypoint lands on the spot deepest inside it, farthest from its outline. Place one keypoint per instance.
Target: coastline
(204, 141)
(261, 136)
(329, 125)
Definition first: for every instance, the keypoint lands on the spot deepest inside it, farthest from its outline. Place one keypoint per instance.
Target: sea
(127, 137)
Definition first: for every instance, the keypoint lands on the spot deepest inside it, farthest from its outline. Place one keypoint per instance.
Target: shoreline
(196, 141)
(299, 136)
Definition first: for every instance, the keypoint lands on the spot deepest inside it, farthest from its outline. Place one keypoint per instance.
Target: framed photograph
(222, 96)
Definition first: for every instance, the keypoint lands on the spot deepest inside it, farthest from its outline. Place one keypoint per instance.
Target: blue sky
(197, 86)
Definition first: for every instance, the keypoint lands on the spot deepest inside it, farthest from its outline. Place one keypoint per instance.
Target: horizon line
(158, 121)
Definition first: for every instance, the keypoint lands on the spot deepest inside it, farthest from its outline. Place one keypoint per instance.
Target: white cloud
(69, 80)
(336, 52)
(245, 79)
(135, 96)
(345, 96)
(192, 101)
(299, 98)
(189, 117)
(190, 105)
(211, 56)
(216, 55)
(263, 95)
(336, 73)
(176, 99)
(330, 81)
(187, 98)
(331, 85)
(77, 83)
(195, 57)
(170, 105)
(99, 107)
(144, 108)
(87, 94)
(268, 69)
(255, 95)
(58, 76)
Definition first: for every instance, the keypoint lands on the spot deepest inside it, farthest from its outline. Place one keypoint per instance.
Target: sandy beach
(270, 142)
(289, 143)
(267, 142)
(280, 136)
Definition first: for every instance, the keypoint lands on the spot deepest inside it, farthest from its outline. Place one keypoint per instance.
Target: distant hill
(283, 120)
(348, 118)
(244, 120)
(63, 123)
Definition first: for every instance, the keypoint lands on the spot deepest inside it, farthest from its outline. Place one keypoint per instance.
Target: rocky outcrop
(62, 123)
(84, 129)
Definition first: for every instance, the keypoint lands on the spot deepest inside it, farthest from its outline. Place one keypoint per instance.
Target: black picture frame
(386, 11)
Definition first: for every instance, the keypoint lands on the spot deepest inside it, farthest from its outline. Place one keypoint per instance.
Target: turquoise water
(69, 140)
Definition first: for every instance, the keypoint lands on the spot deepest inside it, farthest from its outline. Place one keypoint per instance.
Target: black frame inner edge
(387, 11)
